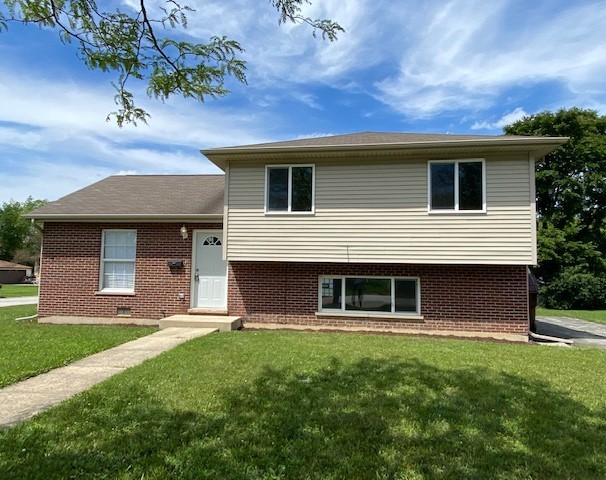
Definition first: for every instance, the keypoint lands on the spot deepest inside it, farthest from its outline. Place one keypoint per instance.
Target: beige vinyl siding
(378, 213)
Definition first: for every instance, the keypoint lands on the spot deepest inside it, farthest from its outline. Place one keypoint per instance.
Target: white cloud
(468, 52)
(506, 119)
(42, 178)
(315, 135)
(308, 99)
(289, 53)
(72, 110)
(55, 140)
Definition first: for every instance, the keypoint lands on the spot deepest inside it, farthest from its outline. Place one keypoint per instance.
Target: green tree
(20, 239)
(131, 43)
(571, 205)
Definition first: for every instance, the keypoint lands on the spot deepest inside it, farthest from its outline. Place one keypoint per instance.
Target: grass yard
(295, 405)
(27, 349)
(597, 316)
(9, 291)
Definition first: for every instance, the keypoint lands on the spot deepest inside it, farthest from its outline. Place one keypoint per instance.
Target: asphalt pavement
(581, 332)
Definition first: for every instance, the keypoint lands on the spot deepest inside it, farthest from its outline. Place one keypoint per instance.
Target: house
(13, 272)
(374, 230)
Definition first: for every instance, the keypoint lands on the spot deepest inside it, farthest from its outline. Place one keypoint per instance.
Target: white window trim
(362, 313)
(456, 186)
(115, 291)
(289, 194)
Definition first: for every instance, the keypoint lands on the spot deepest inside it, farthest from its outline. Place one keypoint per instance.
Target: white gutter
(59, 217)
(534, 141)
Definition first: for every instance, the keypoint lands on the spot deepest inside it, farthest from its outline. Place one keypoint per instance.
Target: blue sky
(468, 66)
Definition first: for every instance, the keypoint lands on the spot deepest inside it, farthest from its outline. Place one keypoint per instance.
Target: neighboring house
(13, 272)
(377, 230)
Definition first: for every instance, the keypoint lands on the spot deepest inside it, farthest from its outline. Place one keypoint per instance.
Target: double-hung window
(457, 186)
(391, 295)
(289, 189)
(118, 260)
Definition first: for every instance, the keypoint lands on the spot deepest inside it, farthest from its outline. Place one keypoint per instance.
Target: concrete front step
(220, 322)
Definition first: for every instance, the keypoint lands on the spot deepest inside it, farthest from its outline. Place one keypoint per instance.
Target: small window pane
(406, 296)
(119, 275)
(302, 189)
(119, 245)
(470, 186)
(331, 293)
(368, 294)
(277, 189)
(212, 240)
(442, 186)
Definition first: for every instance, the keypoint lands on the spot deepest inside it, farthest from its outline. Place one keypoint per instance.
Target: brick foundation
(483, 298)
(70, 271)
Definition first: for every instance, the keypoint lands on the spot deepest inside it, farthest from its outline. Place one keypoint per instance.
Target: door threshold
(207, 311)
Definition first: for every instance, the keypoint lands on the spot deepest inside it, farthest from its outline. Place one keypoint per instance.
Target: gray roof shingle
(4, 265)
(142, 195)
(369, 138)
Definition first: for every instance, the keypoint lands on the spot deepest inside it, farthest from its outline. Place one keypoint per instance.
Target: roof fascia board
(49, 217)
(539, 145)
(556, 141)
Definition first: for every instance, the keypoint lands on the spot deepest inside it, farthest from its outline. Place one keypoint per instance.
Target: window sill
(374, 316)
(125, 293)
(457, 212)
(289, 214)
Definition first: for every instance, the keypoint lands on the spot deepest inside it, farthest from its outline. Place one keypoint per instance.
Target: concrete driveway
(9, 302)
(581, 332)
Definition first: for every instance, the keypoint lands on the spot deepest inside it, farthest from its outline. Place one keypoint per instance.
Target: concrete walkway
(580, 331)
(10, 302)
(25, 399)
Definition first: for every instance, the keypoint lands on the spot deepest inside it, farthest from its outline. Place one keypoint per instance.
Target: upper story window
(457, 185)
(118, 260)
(289, 189)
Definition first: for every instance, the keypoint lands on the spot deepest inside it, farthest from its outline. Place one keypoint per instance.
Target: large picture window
(290, 189)
(369, 294)
(118, 260)
(457, 186)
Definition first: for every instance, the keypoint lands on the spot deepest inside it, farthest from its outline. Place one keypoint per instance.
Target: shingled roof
(393, 143)
(141, 197)
(373, 138)
(4, 265)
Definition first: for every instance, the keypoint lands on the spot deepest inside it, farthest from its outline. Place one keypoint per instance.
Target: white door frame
(192, 289)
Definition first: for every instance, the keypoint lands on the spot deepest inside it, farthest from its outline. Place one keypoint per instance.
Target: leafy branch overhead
(134, 44)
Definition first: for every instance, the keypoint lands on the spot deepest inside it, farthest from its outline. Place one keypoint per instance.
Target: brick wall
(70, 270)
(487, 298)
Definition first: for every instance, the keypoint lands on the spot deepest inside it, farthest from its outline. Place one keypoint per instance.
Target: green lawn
(8, 291)
(597, 316)
(27, 349)
(295, 405)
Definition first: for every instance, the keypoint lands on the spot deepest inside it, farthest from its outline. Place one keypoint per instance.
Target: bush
(575, 290)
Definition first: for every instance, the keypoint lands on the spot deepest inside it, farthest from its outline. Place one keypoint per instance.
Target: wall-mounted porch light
(184, 233)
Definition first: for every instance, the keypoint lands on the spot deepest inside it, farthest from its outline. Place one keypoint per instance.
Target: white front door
(210, 271)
